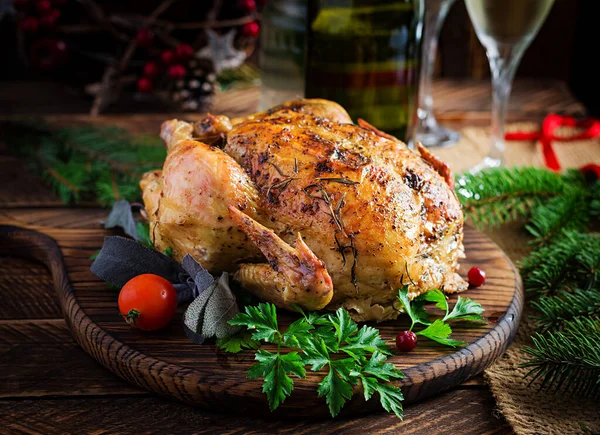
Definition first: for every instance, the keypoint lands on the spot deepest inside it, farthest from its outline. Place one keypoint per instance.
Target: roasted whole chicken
(307, 208)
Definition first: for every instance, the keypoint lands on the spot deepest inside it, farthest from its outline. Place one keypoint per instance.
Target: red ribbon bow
(546, 136)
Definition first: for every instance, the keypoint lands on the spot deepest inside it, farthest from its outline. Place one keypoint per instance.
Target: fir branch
(85, 163)
(500, 195)
(572, 261)
(569, 360)
(568, 211)
(556, 311)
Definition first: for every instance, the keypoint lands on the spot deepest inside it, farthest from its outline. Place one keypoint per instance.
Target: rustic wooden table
(50, 385)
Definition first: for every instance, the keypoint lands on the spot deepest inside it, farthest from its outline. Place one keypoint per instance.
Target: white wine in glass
(505, 28)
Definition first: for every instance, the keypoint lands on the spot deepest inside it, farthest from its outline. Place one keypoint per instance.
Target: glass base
(487, 163)
(432, 135)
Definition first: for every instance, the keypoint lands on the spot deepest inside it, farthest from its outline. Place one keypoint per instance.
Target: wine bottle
(364, 55)
(281, 56)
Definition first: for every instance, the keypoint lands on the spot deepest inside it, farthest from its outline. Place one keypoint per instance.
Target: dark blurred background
(564, 50)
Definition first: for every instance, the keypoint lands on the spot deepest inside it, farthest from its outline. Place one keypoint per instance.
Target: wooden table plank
(458, 411)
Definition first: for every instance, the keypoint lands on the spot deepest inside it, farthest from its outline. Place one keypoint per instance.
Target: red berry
(184, 51)
(20, 4)
(248, 5)
(145, 85)
(176, 72)
(476, 276)
(151, 69)
(251, 29)
(406, 341)
(144, 37)
(167, 56)
(29, 24)
(48, 54)
(43, 6)
(49, 20)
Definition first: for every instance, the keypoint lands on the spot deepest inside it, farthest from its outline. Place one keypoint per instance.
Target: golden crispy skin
(375, 214)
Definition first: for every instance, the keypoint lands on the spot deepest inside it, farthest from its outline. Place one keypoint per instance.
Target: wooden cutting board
(168, 363)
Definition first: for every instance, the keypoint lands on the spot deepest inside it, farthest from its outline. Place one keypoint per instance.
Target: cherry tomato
(148, 302)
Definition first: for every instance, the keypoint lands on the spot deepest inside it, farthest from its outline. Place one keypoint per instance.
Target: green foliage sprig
(570, 261)
(555, 312)
(561, 276)
(333, 342)
(87, 163)
(568, 360)
(439, 330)
(552, 202)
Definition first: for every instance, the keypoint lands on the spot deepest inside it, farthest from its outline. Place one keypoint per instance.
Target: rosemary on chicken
(336, 216)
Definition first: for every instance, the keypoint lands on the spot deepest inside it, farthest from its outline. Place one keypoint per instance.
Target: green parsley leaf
(276, 368)
(415, 311)
(168, 252)
(316, 354)
(390, 398)
(438, 297)
(367, 339)
(369, 386)
(237, 342)
(335, 388)
(262, 319)
(297, 333)
(320, 339)
(378, 367)
(343, 324)
(440, 331)
(466, 309)
(143, 233)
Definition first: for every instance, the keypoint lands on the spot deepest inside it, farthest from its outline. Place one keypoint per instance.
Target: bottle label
(366, 59)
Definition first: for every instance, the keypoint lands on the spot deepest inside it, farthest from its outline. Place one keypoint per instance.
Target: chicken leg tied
(294, 275)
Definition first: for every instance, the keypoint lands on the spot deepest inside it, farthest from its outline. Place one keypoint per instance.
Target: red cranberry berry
(29, 24)
(144, 37)
(176, 72)
(167, 56)
(150, 69)
(248, 5)
(251, 29)
(145, 85)
(184, 51)
(476, 276)
(43, 6)
(49, 20)
(406, 341)
(48, 53)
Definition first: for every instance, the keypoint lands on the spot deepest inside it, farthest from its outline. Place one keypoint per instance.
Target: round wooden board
(168, 363)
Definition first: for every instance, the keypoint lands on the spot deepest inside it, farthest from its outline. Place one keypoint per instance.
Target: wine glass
(505, 28)
(428, 131)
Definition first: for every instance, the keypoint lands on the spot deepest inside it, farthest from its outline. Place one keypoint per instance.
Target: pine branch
(569, 360)
(86, 163)
(569, 211)
(572, 261)
(556, 311)
(500, 195)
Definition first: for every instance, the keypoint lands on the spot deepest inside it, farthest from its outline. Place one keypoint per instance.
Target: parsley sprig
(439, 330)
(331, 342)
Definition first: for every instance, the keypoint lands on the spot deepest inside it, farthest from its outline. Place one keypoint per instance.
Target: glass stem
(435, 15)
(503, 65)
